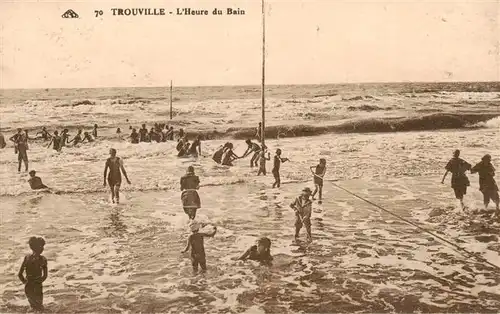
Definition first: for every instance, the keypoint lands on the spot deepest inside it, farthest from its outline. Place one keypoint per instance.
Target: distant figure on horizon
(35, 266)
(36, 182)
(190, 183)
(318, 175)
(459, 181)
(487, 183)
(258, 134)
(115, 166)
(196, 244)
(276, 168)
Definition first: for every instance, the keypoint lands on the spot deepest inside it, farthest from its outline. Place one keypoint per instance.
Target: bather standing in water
(77, 139)
(44, 134)
(487, 183)
(115, 166)
(459, 181)
(190, 183)
(276, 168)
(56, 140)
(134, 137)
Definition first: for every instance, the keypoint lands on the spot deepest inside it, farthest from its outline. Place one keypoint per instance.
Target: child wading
(190, 183)
(262, 161)
(260, 252)
(303, 208)
(35, 266)
(195, 242)
(319, 173)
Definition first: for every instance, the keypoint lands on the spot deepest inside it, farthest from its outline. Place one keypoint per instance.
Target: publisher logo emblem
(70, 14)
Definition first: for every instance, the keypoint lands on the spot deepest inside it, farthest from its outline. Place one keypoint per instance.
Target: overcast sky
(308, 42)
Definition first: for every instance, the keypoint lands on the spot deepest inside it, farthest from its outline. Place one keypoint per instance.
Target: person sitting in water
(191, 202)
(487, 183)
(260, 252)
(196, 244)
(229, 156)
(44, 134)
(459, 181)
(217, 157)
(87, 137)
(134, 137)
(36, 182)
(195, 148)
(77, 139)
(252, 148)
(56, 140)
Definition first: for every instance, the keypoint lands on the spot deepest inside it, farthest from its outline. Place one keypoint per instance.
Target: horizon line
(258, 85)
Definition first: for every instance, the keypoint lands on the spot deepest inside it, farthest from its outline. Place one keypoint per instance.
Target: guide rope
(458, 248)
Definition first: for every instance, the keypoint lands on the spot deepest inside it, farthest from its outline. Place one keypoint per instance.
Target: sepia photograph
(249, 156)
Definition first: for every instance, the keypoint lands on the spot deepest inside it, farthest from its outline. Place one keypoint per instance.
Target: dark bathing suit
(459, 181)
(115, 174)
(276, 167)
(197, 251)
(217, 157)
(22, 148)
(33, 288)
(487, 183)
(319, 171)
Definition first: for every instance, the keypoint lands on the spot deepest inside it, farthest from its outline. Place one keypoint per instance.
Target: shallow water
(127, 258)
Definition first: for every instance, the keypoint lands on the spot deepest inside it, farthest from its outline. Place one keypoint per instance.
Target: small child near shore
(35, 266)
(262, 161)
(318, 175)
(260, 252)
(196, 244)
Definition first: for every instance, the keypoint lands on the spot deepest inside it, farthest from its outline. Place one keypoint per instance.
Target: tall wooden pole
(170, 99)
(262, 132)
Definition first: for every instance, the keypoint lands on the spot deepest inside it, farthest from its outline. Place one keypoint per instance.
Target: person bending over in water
(56, 141)
(487, 183)
(319, 173)
(260, 252)
(77, 139)
(217, 157)
(44, 134)
(36, 182)
(87, 137)
(134, 137)
(262, 161)
(229, 156)
(459, 181)
(276, 168)
(115, 166)
(195, 242)
(252, 148)
(191, 202)
(35, 266)
(303, 208)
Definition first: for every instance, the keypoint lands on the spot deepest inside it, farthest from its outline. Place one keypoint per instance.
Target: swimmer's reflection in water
(116, 225)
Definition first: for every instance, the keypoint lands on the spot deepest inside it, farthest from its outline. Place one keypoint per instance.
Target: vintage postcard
(249, 156)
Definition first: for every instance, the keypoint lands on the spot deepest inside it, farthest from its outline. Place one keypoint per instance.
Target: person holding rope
(318, 175)
(487, 183)
(190, 183)
(459, 181)
(303, 208)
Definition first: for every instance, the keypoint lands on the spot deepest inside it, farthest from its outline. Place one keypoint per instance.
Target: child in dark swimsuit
(35, 266)
(115, 166)
(196, 243)
(260, 252)
(252, 148)
(319, 173)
